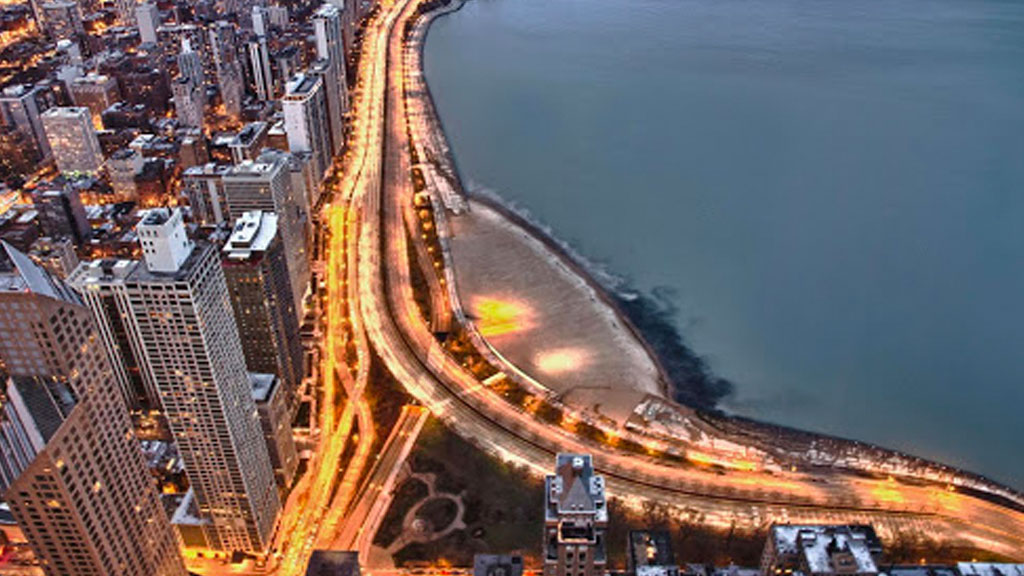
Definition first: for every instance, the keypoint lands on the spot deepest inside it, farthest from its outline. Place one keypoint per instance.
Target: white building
(189, 102)
(265, 185)
(329, 23)
(72, 139)
(262, 75)
(147, 16)
(70, 466)
(21, 108)
(181, 317)
(305, 121)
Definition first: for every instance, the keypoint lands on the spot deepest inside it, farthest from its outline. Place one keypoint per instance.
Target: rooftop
(575, 489)
(20, 273)
(252, 234)
(262, 386)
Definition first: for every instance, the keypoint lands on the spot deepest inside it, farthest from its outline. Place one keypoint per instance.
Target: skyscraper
(261, 296)
(73, 473)
(181, 310)
(96, 92)
(72, 139)
(575, 518)
(101, 284)
(259, 63)
(190, 63)
(265, 185)
(327, 73)
(189, 102)
(62, 20)
(229, 71)
(204, 188)
(21, 109)
(305, 121)
(328, 22)
(147, 17)
(62, 214)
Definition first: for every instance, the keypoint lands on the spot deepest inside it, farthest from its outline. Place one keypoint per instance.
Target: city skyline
(254, 319)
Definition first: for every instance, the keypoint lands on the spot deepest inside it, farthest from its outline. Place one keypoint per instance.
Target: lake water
(831, 191)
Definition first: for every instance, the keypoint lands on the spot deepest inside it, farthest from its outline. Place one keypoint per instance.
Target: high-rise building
(102, 286)
(21, 108)
(261, 295)
(181, 311)
(72, 139)
(260, 21)
(229, 72)
(62, 214)
(278, 16)
(329, 25)
(62, 20)
(147, 17)
(265, 185)
(74, 474)
(575, 518)
(305, 121)
(125, 10)
(249, 142)
(275, 420)
(123, 167)
(190, 63)
(189, 102)
(204, 188)
(96, 92)
(259, 63)
(335, 113)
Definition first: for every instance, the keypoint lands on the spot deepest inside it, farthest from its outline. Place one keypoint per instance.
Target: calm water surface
(833, 191)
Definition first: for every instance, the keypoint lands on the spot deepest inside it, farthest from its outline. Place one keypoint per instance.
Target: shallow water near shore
(832, 193)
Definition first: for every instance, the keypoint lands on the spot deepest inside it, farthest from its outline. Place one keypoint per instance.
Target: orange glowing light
(561, 360)
(496, 316)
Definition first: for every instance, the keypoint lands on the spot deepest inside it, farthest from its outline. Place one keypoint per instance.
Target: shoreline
(789, 441)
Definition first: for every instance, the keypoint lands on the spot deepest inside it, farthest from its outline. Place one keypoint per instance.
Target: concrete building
(62, 20)
(101, 284)
(575, 518)
(649, 553)
(74, 475)
(189, 102)
(497, 565)
(265, 185)
(204, 188)
(822, 550)
(306, 123)
(96, 92)
(260, 21)
(180, 310)
(230, 82)
(275, 420)
(256, 271)
(147, 18)
(56, 255)
(21, 108)
(322, 69)
(62, 214)
(72, 139)
(249, 142)
(190, 63)
(259, 64)
(329, 24)
(123, 167)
